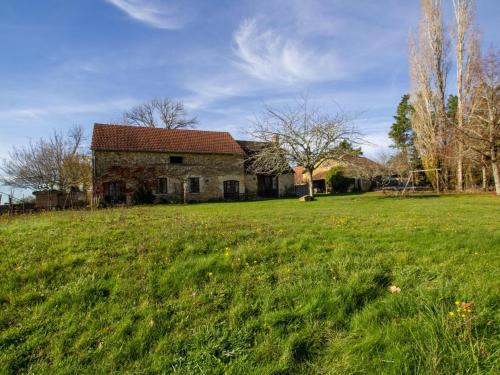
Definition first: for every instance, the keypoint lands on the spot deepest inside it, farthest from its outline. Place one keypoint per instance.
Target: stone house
(361, 170)
(175, 164)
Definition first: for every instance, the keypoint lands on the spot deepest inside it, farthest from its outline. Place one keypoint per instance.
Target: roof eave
(93, 148)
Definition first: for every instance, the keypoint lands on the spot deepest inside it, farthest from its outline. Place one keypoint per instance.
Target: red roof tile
(108, 137)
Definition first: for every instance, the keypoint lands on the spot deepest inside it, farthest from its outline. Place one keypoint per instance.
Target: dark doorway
(231, 189)
(114, 192)
(319, 186)
(267, 186)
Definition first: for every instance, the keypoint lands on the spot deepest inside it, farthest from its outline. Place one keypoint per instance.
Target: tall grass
(270, 287)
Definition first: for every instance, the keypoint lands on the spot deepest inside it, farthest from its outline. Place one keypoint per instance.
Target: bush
(336, 180)
(143, 195)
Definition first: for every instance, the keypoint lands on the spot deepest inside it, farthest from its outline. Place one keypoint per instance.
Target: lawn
(270, 287)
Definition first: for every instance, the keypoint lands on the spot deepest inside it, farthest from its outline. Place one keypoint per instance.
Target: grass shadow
(420, 196)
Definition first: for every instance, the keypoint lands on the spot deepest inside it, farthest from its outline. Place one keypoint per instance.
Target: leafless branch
(53, 163)
(160, 112)
(300, 135)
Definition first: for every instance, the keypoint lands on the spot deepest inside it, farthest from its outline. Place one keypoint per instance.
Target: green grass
(270, 287)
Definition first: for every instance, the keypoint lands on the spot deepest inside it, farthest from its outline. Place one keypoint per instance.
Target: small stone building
(173, 164)
(52, 199)
(361, 170)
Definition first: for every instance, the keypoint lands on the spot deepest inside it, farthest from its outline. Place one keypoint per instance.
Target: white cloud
(33, 113)
(205, 91)
(308, 47)
(152, 12)
(270, 56)
(376, 145)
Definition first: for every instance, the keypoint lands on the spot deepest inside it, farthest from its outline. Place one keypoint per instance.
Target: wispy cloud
(376, 145)
(154, 13)
(66, 109)
(276, 56)
(310, 46)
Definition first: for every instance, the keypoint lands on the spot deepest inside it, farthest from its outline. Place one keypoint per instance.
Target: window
(162, 186)
(176, 159)
(194, 184)
(231, 189)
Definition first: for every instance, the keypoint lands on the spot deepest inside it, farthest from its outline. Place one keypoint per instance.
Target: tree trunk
(494, 165)
(460, 167)
(460, 112)
(310, 182)
(11, 208)
(484, 183)
(496, 177)
(184, 191)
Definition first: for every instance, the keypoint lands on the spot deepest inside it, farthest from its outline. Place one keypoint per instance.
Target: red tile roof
(108, 137)
(360, 161)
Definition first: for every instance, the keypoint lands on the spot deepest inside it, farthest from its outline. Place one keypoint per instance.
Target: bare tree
(160, 113)
(483, 133)
(55, 163)
(466, 51)
(301, 136)
(141, 115)
(393, 164)
(428, 73)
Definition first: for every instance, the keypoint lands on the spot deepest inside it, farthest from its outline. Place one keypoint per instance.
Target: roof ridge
(163, 129)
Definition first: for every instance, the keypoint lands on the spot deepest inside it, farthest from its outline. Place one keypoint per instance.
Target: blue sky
(66, 62)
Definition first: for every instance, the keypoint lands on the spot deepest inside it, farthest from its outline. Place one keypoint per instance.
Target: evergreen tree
(401, 132)
(346, 147)
(451, 109)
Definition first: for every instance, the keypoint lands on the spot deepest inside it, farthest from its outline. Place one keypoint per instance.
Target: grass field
(260, 287)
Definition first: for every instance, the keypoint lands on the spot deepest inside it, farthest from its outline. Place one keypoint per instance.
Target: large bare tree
(483, 133)
(54, 163)
(301, 135)
(429, 51)
(157, 113)
(466, 49)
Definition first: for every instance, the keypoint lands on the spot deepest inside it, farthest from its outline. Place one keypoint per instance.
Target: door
(267, 186)
(114, 192)
(231, 189)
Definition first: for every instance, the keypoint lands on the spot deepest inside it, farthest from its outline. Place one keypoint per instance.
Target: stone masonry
(126, 158)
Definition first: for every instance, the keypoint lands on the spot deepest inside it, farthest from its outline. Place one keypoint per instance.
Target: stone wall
(286, 184)
(251, 183)
(144, 168)
(48, 199)
(134, 169)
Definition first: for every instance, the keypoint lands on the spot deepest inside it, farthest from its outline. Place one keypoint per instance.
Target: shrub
(336, 180)
(143, 195)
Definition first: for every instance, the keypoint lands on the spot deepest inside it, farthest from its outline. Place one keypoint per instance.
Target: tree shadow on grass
(420, 196)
